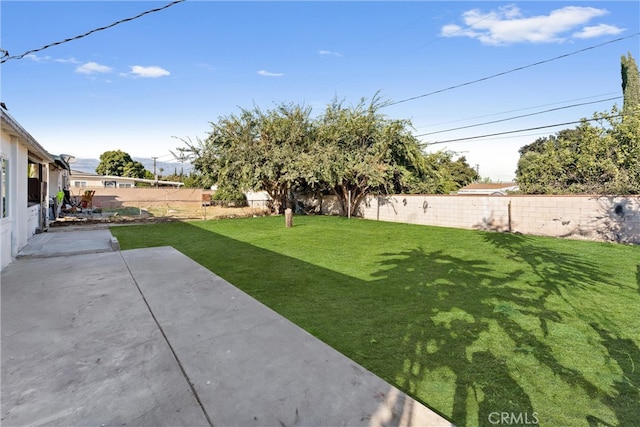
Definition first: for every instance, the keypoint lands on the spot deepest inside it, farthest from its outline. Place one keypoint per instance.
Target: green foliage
(230, 196)
(195, 180)
(359, 151)
(588, 159)
(256, 150)
(602, 159)
(451, 175)
(346, 151)
(119, 163)
(630, 84)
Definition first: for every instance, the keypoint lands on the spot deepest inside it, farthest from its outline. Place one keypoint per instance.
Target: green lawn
(470, 323)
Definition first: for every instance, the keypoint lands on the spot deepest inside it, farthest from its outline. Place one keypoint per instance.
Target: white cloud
(152, 71)
(328, 53)
(36, 58)
(93, 68)
(597, 31)
(71, 60)
(269, 74)
(508, 25)
(207, 66)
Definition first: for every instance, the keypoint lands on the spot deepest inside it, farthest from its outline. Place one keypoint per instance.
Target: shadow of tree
(503, 337)
(627, 395)
(615, 221)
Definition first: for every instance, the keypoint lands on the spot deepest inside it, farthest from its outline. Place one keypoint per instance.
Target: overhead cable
(6, 57)
(413, 98)
(523, 130)
(517, 117)
(514, 110)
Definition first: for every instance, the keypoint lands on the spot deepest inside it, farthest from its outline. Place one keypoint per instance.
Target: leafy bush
(227, 196)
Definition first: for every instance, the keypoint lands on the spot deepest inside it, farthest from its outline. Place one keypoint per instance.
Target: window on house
(110, 184)
(4, 187)
(123, 185)
(34, 183)
(80, 184)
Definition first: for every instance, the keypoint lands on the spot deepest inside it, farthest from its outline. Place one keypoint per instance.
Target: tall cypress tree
(630, 84)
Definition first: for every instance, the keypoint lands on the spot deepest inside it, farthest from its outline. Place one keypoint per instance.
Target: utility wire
(514, 110)
(523, 130)
(517, 117)
(413, 98)
(6, 56)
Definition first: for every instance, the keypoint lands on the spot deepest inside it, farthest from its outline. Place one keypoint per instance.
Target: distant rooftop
(495, 188)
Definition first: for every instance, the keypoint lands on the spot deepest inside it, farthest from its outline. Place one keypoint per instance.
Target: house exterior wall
(14, 228)
(8, 153)
(20, 207)
(77, 183)
(58, 179)
(17, 147)
(603, 218)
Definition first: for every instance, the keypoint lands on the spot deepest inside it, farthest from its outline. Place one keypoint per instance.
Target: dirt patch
(156, 212)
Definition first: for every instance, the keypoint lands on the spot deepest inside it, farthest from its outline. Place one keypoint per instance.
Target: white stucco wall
(6, 224)
(15, 145)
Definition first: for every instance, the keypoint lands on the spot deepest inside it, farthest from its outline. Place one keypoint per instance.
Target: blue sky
(168, 74)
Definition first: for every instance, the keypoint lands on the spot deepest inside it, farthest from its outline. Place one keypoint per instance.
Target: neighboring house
(81, 180)
(490, 189)
(29, 175)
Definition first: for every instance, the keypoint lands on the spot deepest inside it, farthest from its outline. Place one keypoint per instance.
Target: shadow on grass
(625, 352)
(460, 335)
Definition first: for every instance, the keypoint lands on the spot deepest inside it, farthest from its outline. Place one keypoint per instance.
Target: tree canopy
(600, 156)
(359, 151)
(119, 163)
(348, 151)
(591, 159)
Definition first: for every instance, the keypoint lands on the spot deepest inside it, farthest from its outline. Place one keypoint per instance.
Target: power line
(515, 110)
(6, 57)
(517, 117)
(523, 130)
(510, 71)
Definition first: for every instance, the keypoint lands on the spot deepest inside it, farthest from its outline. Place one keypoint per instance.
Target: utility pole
(155, 176)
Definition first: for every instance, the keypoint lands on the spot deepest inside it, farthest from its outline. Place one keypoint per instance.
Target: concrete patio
(147, 337)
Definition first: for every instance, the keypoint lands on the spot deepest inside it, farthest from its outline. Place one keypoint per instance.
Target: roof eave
(16, 129)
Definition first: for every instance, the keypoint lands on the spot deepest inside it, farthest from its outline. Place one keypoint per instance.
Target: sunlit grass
(470, 323)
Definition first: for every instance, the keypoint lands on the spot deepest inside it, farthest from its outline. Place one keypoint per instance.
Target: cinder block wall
(604, 218)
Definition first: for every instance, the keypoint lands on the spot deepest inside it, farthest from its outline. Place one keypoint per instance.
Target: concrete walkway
(69, 240)
(148, 337)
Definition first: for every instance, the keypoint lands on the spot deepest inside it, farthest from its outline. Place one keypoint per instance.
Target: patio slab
(79, 347)
(149, 337)
(59, 241)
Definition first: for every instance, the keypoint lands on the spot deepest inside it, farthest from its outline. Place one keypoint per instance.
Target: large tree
(359, 151)
(119, 163)
(601, 158)
(346, 151)
(588, 159)
(256, 150)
